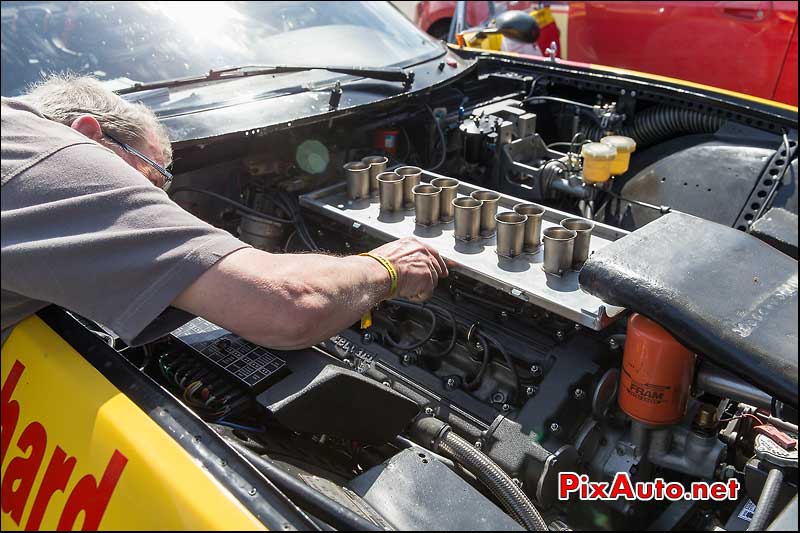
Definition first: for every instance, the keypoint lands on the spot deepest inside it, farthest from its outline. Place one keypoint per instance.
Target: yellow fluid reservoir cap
(624, 145)
(598, 151)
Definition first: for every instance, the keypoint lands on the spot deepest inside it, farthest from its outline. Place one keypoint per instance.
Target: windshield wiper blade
(384, 74)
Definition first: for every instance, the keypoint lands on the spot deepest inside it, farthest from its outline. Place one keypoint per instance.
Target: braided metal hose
(499, 483)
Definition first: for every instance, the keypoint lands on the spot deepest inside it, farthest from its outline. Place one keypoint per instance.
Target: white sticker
(747, 511)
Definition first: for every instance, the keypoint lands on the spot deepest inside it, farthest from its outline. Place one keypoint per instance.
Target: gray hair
(65, 97)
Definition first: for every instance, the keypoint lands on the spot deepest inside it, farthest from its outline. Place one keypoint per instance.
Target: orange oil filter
(657, 373)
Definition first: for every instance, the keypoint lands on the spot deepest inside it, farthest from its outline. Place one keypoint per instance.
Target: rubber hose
(496, 480)
(766, 502)
(660, 123)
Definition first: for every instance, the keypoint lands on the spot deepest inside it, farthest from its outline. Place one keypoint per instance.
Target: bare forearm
(335, 293)
(286, 301)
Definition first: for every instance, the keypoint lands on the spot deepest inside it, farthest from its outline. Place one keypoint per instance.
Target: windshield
(152, 41)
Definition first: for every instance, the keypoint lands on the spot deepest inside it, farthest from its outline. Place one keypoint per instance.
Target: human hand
(418, 267)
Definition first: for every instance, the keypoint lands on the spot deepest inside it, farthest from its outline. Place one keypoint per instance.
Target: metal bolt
(613, 344)
(349, 362)
(554, 427)
(429, 411)
(530, 391)
(478, 444)
(577, 327)
(409, 358)
(560, 335)
(347, 245)
(498, 397)
(503, 315)
(387, 384)
(505, 408)
(252, 492)
(366, 338)
(579, 394)
(478, 347)
(536, 370)
(451, 383)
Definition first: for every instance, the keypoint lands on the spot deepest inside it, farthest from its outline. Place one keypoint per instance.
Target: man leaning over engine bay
(87, 225)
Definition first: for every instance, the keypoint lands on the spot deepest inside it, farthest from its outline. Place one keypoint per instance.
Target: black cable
(425, 338)
(475, 382)
(305, 233)
(510, 363)
(239, 206)
(453, 324)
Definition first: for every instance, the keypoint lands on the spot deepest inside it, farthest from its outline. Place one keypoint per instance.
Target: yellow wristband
(390, 268)
(366, 319)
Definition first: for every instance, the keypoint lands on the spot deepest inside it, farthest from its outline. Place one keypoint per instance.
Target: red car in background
(743, 46)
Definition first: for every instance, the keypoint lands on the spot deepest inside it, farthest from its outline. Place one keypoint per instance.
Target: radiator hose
(766, 502)
(437, 436)
(659, 123)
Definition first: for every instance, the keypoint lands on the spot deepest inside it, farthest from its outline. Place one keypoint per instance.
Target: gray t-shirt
(84, 230)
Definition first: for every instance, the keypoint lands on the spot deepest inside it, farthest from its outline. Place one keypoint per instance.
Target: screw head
(478, 444)
(554, 427)
(560, 335)
(429, 411)
(252, 492)
(503, 315)
(579, 394)
(347, 245)
(349, 362)
(451, 383)
(408, 358)
(498, 397)
(613, 344)
(386, 384)
(530, 391)
(366, 338)
(536, 370)
(505, 408)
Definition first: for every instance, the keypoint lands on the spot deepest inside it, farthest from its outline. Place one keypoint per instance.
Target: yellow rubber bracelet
(390, 268)
(366, 319)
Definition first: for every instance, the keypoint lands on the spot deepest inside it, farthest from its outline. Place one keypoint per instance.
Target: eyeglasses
(131, 150)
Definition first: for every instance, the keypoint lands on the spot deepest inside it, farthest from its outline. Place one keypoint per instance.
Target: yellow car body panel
(78, 453)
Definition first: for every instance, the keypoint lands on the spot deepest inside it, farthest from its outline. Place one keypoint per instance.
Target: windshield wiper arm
(384, 74)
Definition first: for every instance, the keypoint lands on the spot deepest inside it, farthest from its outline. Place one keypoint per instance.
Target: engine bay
(448, 414)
